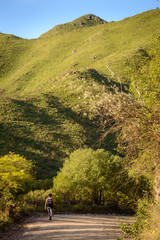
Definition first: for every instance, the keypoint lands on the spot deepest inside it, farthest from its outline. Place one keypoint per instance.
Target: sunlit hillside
(44, 81)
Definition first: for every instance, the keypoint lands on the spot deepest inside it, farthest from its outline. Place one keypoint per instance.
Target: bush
(81, 208)
(15, 179)
(33, 201)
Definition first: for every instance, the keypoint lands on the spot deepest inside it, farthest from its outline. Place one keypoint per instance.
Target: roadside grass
(151, 228)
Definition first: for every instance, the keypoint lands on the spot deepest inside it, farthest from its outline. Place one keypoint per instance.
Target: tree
(87, 175)
(15, 176)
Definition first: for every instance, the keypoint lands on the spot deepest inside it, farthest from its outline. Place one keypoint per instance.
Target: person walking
(49, 203)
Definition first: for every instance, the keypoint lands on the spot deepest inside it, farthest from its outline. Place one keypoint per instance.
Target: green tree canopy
(87, 174)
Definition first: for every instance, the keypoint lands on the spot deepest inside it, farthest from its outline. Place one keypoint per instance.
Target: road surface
(69, 227)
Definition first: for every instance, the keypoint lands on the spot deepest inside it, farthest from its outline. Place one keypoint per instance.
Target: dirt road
(69, 227)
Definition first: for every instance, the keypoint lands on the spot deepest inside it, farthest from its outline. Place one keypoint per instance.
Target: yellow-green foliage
(15, 173)
(15, 178)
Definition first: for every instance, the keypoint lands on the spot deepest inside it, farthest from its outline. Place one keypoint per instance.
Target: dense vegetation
(15, 178)
(83, 100)
(97, 176)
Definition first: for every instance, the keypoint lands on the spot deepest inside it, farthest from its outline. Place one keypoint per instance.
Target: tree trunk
(100, 196)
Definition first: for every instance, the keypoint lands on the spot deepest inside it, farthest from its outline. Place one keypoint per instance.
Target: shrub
(15, 178)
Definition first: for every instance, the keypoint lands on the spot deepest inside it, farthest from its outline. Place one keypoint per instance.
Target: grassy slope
(49, 58)
(43, 83)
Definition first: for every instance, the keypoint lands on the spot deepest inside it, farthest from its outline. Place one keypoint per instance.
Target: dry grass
(152, 226)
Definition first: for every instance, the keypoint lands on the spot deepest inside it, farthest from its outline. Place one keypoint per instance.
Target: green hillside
(44, 81)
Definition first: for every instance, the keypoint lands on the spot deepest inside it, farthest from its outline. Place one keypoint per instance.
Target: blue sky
(31, 18)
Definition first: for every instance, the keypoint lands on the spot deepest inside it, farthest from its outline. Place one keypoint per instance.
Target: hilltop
(81, 22)
(43, 84)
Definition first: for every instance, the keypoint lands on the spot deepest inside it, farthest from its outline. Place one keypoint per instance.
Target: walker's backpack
(50, 202)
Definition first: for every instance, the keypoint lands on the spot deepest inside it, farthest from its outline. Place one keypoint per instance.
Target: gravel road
(69, 227)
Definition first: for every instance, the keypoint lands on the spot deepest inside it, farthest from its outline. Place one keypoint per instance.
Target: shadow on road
(71, 227)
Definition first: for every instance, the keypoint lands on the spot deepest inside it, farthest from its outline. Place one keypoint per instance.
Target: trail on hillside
(69, 227)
